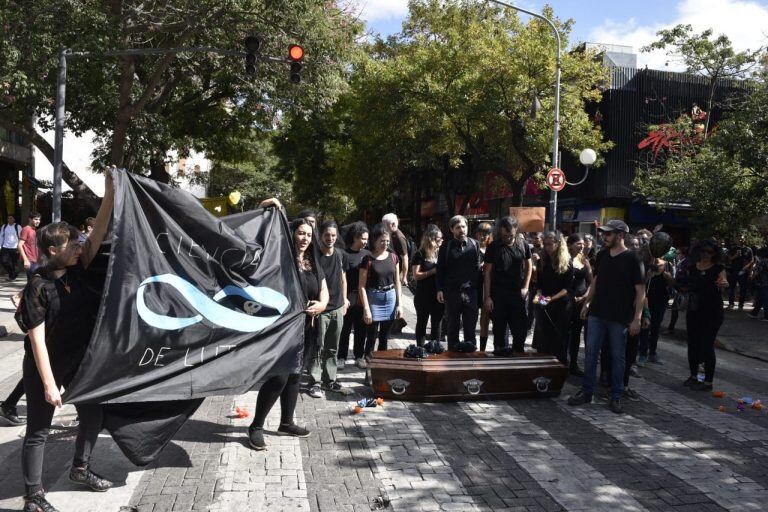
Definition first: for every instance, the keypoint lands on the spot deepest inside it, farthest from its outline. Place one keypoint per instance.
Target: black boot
(37, 503)
(483, 343)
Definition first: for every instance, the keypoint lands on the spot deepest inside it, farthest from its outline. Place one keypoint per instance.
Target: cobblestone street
(672, 450)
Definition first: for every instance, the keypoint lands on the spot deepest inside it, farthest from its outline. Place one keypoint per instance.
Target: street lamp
(587, 157)
(556, 129)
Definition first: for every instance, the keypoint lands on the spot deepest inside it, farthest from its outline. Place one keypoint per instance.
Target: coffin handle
(473, 386)
(398, 386)
(542, 384)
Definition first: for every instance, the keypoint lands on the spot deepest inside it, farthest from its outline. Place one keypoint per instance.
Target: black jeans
(574, 335)
(461, 309)
(10, 260)
(702, 327)
(741, 280)
(509, 310)
(39, 417)
(15, 395)
(428, 309)
(353, 320)
(286, 387)
(649, 343)
(633, 342)
(370, 336)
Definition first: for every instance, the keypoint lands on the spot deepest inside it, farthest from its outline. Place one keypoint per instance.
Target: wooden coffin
(453, 376)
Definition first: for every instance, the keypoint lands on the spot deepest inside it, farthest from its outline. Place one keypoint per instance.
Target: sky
(631, 23)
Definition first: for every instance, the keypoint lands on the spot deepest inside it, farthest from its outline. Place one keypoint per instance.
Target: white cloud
(744, 22)
(382, 10)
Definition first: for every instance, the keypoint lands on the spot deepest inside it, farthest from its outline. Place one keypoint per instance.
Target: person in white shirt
(9, 241)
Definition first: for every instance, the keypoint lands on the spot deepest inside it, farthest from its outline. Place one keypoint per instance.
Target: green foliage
(725, 179)
(253, 174)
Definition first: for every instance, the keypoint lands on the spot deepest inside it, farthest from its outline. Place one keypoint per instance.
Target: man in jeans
(28, 244)
(458, 274)
(613, 308)
(334, 263)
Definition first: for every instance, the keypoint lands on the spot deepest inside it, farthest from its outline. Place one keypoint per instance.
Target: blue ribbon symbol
(211, 309)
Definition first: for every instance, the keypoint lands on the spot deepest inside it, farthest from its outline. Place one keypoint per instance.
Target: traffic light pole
(556, 130)
(61, 93)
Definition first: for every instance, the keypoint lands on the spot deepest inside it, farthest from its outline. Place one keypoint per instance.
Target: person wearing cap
(613, 308)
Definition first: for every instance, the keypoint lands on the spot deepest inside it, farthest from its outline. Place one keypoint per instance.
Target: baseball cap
(615, 225)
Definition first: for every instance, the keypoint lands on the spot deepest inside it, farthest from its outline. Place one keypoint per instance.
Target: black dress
(704, 317)
(551, 333)
(574, 335)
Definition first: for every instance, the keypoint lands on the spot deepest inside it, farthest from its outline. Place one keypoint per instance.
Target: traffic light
(252, 47)
(295, 55)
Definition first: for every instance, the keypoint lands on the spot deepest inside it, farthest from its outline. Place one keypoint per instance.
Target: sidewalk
(740, 333)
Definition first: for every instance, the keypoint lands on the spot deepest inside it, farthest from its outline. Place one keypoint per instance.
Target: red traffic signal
(295, 52)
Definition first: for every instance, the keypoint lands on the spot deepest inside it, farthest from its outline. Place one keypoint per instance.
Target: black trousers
(15, 395)
(39, 417)
(574, 335)
(428, 310)
(353, 321)
(10, 261)
(702, 328)
(633, 342)
(285, 387)
(462, 311)
(509, 310)
(370, 336)
(649, 344)
(551, 331)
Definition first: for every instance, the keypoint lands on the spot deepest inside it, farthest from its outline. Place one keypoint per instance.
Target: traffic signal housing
(295, 56)
(252, 47)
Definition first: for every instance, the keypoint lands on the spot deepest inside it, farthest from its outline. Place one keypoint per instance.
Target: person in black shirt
(458, 273)
(659, 279)
(740, 258)
(333, 262)
(704, 281)
(358, 235)
(379, 287)
(398, 244)
(507, 278)
(613, 308)
(59, 310)
(425, 298)
(286, 386)
(553, 314)
(582, 278)
(484, 237)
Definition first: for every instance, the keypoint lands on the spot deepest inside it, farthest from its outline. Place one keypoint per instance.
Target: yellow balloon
(234, 197)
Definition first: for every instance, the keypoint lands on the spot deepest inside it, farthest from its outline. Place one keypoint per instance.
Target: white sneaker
(361, 363)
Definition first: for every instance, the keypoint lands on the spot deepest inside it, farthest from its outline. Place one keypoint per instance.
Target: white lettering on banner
(153, 357)
(201, 252)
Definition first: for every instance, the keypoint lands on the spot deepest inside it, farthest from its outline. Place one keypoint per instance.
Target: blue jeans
(597, 329)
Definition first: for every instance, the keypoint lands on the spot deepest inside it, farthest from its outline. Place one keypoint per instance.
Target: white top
(10, 236)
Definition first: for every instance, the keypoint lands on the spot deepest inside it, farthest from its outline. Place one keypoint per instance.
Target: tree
(705, 55)
(723, 177)
(140, 107)
(451, 96)
(252, 172)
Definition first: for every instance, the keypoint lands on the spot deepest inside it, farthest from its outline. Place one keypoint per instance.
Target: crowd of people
(615, 290)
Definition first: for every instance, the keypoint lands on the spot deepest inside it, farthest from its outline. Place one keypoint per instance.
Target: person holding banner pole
(56, 307)
(286, 386)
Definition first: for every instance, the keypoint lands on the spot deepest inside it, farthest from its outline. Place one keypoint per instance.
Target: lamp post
(587, 157)
(556, 129)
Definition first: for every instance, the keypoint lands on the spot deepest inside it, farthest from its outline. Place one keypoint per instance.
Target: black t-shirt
(508, 265)
(614, 298)
(703, 283)
(658, 289)
(550, 282)
(354, 258)
(333, 266)
(68, 308)
(311, 282)
(381, 273)
(399, 244)
(427, 286)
